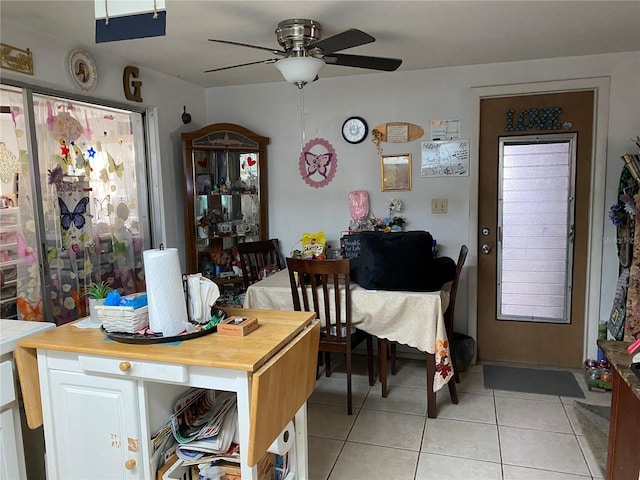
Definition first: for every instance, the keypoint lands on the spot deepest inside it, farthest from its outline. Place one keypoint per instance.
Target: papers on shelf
(215, 447)
(196, 456)
(200, 414)
(203, 428)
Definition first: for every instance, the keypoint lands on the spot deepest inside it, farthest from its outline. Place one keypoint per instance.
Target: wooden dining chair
(255, 256)
(323, 286)
(448, 314)
(448, 323)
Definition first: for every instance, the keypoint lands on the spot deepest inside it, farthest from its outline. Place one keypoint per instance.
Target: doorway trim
(601, 88)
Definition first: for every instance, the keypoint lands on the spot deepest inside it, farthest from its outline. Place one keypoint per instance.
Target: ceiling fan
(304, 52)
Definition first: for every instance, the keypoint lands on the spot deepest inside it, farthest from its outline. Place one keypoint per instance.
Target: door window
(535, 225)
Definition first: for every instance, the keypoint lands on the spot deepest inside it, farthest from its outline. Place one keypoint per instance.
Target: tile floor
(489, 435)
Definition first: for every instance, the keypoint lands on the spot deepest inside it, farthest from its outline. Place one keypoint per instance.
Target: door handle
(485, 249)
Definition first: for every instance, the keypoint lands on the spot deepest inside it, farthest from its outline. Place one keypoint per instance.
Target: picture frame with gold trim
(395, 172)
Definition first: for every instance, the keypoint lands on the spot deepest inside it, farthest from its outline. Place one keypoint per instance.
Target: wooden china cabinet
(225, 198)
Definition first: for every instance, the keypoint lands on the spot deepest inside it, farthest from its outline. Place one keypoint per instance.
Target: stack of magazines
(204, 425)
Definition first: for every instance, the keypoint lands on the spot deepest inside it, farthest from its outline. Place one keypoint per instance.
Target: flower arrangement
(394, 205)
(394, 222)
(388, 224)
(620, 213)
(617, 215)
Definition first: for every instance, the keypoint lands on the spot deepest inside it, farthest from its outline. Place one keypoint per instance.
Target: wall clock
(354, 130)
(83, 70)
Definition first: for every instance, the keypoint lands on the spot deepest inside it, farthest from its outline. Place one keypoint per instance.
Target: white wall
(165, 94)
(273, 110)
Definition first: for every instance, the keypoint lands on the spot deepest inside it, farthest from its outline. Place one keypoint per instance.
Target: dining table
(410, 318)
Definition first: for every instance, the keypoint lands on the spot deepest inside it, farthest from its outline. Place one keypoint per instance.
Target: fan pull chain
(303, 134)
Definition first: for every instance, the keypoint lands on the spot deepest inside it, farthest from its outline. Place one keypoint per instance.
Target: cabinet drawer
(10, 273)
(8, 310)
(9, 252)
(134, 368)
(8, 291)
(9, 217)
(8, 392)
(7, 235)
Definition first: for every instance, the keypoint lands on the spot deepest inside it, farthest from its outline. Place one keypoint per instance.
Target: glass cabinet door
(225, 199)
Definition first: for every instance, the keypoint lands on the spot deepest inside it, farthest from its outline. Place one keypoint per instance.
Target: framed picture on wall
(204, 183)
(395, 172)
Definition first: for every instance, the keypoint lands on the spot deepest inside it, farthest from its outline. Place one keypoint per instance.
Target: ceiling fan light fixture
(299, 70)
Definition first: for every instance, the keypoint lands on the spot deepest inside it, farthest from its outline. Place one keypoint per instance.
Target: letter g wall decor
(134, 95)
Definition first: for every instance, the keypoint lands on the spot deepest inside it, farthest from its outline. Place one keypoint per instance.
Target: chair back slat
(254, 256)
(448, 314)
(324, 287)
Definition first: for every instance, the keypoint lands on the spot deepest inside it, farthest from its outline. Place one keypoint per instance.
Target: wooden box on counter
(237, 326)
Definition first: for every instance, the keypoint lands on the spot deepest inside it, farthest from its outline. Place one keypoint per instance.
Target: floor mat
(532, 380)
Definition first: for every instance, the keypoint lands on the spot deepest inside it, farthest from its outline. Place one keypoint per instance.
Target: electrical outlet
(439, 205)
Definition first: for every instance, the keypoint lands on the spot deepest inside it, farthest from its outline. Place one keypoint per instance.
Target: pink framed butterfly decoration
(318, 162)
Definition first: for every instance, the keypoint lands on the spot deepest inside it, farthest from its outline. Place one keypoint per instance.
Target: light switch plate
(439, 205)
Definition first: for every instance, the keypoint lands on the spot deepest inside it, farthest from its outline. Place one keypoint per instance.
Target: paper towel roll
(167, 306)
(284, 442)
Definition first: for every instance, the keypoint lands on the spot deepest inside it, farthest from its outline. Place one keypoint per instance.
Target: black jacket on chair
(400, 261)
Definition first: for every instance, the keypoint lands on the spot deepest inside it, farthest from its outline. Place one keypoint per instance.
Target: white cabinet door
(12, 466)
(10, 451)
(96, 428)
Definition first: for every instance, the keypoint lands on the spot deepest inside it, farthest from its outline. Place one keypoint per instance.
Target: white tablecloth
(411, 318)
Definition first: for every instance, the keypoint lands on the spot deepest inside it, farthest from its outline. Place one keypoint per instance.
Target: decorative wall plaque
(539, 118)
(318, 162)
(131, 85)
(83, 70)
(398, 132)
(16, 59)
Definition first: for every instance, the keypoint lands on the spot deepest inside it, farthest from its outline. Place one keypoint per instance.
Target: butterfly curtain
(87, 163)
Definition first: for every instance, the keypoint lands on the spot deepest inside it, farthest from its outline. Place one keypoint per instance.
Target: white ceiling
(425, 34)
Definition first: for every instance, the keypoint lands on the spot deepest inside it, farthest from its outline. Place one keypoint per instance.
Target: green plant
(97, 290)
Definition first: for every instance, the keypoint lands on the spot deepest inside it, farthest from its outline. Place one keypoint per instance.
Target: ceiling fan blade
(270, 60)
(361, 61)
(341, 41)
(266, 49)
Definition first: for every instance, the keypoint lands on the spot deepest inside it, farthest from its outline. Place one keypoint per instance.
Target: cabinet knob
(130, 464)
(124, 366)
